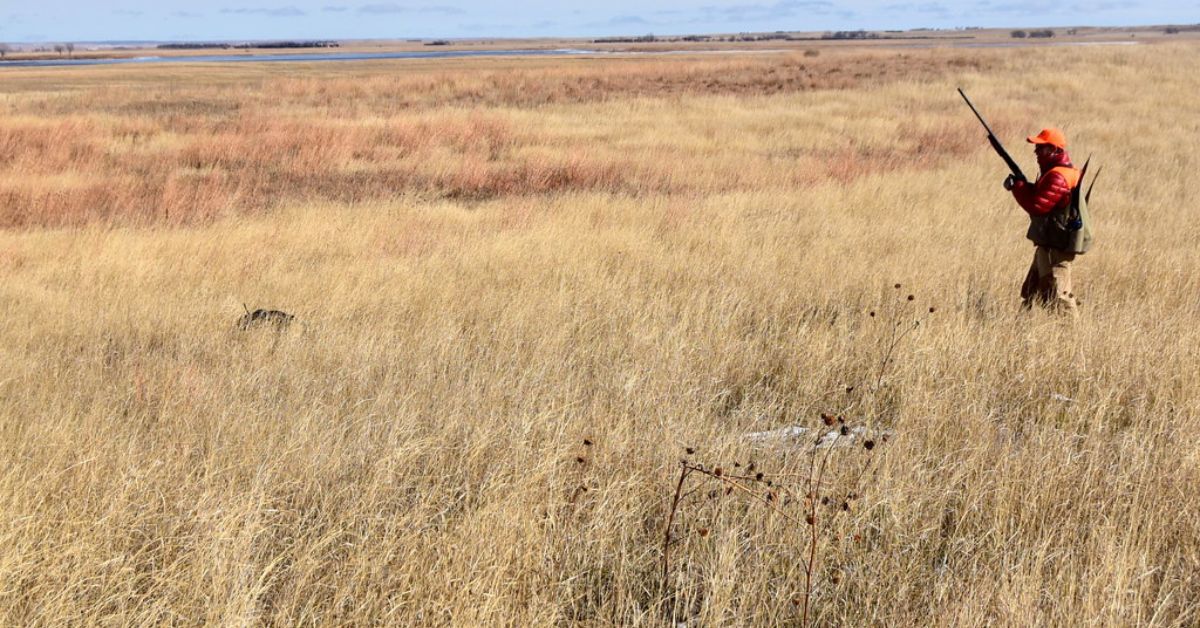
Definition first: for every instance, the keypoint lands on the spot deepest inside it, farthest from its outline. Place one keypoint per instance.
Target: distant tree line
(860, 34)
(776, 36)
(246, 46)
(1175, 30)
(67, 49)
(1042, 33)
(629, 40)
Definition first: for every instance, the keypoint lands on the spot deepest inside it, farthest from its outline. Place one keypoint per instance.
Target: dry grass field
(492, 261)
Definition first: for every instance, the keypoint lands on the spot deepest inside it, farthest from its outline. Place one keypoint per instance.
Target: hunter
(1048, 281)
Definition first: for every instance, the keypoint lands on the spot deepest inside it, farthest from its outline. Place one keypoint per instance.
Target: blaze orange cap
(1049, 135)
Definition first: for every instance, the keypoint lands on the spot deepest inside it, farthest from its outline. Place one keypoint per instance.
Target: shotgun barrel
(1012, 165)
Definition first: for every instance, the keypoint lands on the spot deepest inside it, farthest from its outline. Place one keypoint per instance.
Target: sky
(128, 20)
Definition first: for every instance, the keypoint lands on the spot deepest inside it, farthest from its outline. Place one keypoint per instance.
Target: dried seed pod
(587, 442)
(869, 445)
(703, 532)
(580, 459)
(690, 451)
(810, 520)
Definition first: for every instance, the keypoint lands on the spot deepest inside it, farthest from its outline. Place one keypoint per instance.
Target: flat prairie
(540, 304)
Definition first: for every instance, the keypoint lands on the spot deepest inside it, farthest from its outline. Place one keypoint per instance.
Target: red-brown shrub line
(165, 154)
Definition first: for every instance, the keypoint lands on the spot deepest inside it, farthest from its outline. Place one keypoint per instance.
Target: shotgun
(1012, 165)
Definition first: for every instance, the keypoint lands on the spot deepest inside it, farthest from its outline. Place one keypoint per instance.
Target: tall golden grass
(493, 260)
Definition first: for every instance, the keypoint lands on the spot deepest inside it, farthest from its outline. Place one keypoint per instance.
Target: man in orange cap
(1048, 281)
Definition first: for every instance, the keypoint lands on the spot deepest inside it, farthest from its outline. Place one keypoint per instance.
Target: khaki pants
(1048, 282)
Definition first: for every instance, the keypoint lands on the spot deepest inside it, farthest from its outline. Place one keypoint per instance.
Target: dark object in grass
(264, 318)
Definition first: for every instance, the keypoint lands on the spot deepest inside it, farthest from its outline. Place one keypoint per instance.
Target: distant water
(446, 54)
(305, 57)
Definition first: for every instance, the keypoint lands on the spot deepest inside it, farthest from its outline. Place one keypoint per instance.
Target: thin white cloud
(385, 8)
(288, 11)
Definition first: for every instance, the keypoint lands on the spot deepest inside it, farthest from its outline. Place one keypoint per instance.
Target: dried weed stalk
(811, 500)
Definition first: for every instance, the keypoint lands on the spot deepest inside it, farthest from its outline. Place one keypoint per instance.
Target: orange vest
(1048, 229)
(1070, 174)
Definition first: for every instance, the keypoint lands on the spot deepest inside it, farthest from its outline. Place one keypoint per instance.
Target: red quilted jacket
(1049, 193)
